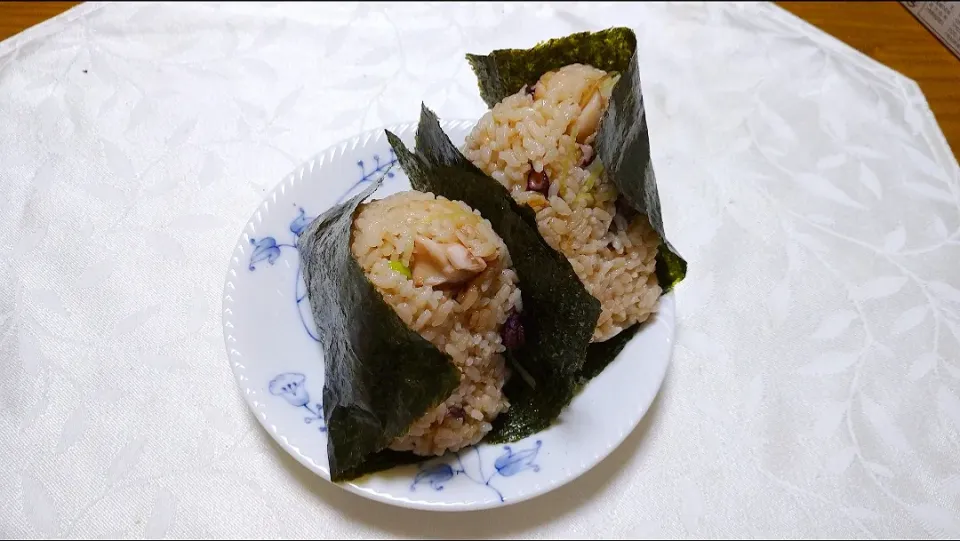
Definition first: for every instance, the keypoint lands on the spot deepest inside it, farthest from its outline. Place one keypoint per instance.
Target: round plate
(273, 350)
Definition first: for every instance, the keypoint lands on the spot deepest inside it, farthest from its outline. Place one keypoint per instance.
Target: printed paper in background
(940, 18)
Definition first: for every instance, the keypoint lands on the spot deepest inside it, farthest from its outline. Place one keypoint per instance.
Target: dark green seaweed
(377, 462)
(600, 354)
(504, 72)
(532, 409)
(380, 375)
(559, 315)
(527, 416)
(623, 143)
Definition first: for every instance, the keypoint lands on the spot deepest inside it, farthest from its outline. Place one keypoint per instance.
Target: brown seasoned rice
(463, 323)
(614, 258)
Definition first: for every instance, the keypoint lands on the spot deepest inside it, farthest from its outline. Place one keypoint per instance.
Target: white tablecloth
(815, 384)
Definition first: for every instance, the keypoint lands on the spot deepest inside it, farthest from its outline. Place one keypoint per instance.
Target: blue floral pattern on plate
(437, 474)
(291, 387)
(268, 249)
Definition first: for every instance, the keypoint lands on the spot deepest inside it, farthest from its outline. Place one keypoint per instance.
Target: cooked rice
(613, 257)
(464, 323)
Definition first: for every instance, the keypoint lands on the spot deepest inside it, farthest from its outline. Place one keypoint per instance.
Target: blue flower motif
(264, 249)
(290, 387)
(436, 475)
(511, 463)
(300, 222)
(269, 250)
(508, 464)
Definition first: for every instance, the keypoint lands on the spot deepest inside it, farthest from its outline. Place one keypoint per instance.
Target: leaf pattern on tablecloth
(125, 459)
(38, 506)
(162, 516)
(72, 428)
(817, 368)
(910, 318)
(835, 324)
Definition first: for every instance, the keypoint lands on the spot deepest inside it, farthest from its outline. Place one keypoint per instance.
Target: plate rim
(238, 368)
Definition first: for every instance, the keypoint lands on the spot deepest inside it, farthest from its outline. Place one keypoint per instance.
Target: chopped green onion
(398, 266)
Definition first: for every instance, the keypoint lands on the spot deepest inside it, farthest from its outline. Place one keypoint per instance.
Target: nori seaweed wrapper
(559, 314)
(380, 376)
(622, 142)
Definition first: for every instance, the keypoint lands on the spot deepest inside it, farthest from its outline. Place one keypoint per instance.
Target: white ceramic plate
(271, 345)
